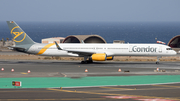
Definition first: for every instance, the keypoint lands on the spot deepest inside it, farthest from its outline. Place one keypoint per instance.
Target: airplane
(90, 51)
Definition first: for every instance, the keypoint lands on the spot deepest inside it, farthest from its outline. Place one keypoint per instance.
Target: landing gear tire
(157, 62)
(89, 61)
(83, 62)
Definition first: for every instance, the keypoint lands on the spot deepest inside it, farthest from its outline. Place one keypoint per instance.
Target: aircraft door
(160, 49)
(130, 48)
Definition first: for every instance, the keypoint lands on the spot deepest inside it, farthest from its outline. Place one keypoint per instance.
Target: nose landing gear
(157, 62)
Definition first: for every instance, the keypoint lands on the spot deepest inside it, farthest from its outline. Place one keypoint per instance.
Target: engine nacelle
(99, 57)
(110, 58)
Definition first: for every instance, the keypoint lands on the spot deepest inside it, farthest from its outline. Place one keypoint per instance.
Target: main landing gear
(157, 62)
(87, 61)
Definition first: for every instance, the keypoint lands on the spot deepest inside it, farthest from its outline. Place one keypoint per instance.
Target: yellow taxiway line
(112, 94)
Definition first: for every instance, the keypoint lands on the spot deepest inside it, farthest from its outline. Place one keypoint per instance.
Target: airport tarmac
(76, 70)
(56, 68)
(166, 92)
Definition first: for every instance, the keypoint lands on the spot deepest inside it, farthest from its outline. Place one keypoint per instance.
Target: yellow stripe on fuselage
(45, 48)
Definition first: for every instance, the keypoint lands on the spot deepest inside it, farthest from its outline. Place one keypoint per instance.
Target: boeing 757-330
(90, 52)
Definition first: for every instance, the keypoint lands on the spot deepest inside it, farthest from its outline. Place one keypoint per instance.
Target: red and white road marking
(121, 97)
(154, 100)
(136, 98)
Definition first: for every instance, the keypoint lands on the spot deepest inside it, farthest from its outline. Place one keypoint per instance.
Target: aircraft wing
(80, 53)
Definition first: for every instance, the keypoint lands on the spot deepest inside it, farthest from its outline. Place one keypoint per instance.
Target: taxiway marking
(23, 73)
(118, 88)
(125, 89)
(96, 93)
(167, 86)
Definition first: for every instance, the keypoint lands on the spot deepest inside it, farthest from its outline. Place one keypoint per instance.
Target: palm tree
(7, 39)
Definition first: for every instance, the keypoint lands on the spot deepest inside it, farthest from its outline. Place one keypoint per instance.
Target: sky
(90, 10)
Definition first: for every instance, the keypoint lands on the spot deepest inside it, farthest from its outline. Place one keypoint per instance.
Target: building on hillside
(174, 43)
(9, 43)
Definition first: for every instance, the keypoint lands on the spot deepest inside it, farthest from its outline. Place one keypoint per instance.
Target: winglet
(59, 48)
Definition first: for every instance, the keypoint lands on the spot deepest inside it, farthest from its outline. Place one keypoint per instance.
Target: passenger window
(168, 48)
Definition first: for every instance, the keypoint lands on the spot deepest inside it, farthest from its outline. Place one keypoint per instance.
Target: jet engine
(99, 57)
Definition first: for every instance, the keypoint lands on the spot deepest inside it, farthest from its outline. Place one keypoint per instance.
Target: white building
(51, 40)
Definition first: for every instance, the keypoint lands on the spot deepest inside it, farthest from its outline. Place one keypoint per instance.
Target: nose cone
(174, 52)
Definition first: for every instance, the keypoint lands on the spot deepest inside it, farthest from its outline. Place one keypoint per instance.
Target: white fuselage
(70, 49)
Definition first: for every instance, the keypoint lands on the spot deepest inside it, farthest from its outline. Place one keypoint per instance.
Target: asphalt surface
(74, 69)
(167, 92)
(9, 52)
(55, 68)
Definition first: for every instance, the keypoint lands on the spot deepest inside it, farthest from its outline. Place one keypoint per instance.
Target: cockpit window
(168, 48)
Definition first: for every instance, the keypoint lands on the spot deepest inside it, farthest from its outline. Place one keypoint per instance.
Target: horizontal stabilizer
(20, 49)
